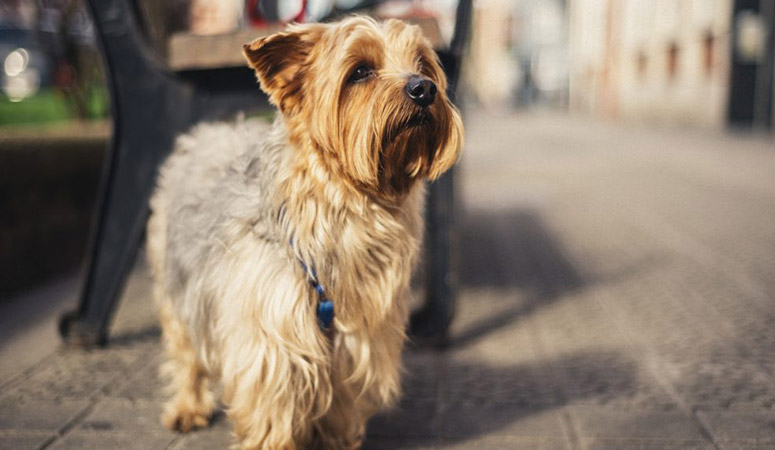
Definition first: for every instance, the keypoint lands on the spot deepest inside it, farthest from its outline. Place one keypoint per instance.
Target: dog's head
(370, 97)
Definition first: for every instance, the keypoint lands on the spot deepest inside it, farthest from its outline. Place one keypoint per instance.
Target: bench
(153, 101)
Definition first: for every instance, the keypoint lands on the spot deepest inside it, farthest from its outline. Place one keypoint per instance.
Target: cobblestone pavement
(617, 292)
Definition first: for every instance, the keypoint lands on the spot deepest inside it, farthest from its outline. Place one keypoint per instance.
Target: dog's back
(198, 188)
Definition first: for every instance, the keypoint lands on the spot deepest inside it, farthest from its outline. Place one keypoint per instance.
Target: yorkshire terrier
(282, 253)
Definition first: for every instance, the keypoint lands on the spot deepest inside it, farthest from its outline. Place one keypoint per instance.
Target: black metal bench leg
(111, 260)
(153, 109)
(428, 325)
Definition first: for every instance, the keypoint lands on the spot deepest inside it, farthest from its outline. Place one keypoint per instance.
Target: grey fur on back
(217, 172)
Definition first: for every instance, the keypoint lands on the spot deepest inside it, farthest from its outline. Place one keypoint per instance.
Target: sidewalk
(617, 292)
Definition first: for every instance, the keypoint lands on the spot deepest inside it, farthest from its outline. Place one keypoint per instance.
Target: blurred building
(519, 53)
(706, 62)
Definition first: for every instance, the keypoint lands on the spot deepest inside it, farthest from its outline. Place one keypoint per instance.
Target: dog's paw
(179, 418)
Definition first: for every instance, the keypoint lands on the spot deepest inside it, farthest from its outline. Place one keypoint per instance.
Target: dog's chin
(407, 155)
(417, 125)
(419, 120)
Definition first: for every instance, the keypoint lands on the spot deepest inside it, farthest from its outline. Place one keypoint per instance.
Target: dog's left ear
(280, 61)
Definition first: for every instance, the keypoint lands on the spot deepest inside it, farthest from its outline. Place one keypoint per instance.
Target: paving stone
(724, 383)
(217, 436)
(505, 442)
(492, 330)
(397, 443)
(640, 444)
(479, 385)
(115, 414)
(501, 420)
(413, 417)
(24, 440)
(422, 374)
(603, 377)
(146, 384)
(743, 446)
(607, 423)
(102, 440)
(755, 427)
(38, 414)
(80, 374)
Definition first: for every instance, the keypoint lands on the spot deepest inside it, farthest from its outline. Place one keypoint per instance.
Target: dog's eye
(360, 73)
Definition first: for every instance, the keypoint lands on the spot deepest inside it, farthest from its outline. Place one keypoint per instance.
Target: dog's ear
(280, 62)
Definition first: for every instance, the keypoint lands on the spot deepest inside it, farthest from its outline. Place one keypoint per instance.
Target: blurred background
(703, 64)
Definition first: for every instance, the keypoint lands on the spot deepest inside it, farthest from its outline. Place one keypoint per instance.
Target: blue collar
(325, 308)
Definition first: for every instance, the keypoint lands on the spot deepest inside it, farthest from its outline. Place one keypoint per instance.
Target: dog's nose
(421, 90)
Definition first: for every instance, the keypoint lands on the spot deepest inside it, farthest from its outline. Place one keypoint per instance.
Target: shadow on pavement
(473, 400)
(516, 250)
(446, 398)
(131, 337)
(512, 250)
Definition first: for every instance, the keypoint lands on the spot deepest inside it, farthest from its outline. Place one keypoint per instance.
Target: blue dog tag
(325, 313)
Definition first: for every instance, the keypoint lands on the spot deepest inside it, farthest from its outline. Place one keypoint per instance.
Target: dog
(281, 254)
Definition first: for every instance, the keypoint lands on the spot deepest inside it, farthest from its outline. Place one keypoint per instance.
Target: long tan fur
(341, 174)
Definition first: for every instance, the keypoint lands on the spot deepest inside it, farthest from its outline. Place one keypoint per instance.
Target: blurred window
(708, 50)
(642, 64)
(751, 37)
(673, 53)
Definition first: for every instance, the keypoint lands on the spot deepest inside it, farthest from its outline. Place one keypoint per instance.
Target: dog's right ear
(280, 61)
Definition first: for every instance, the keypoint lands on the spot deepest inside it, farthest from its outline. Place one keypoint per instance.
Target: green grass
(42, 107)
(267, 116)
(50, 106)
(98, 104)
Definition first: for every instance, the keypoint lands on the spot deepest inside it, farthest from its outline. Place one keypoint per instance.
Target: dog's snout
(421, 90)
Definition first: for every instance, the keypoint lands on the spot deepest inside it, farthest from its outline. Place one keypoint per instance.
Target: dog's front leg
(344, 425)
(275, 399)
(364, 381)
(275, 359)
